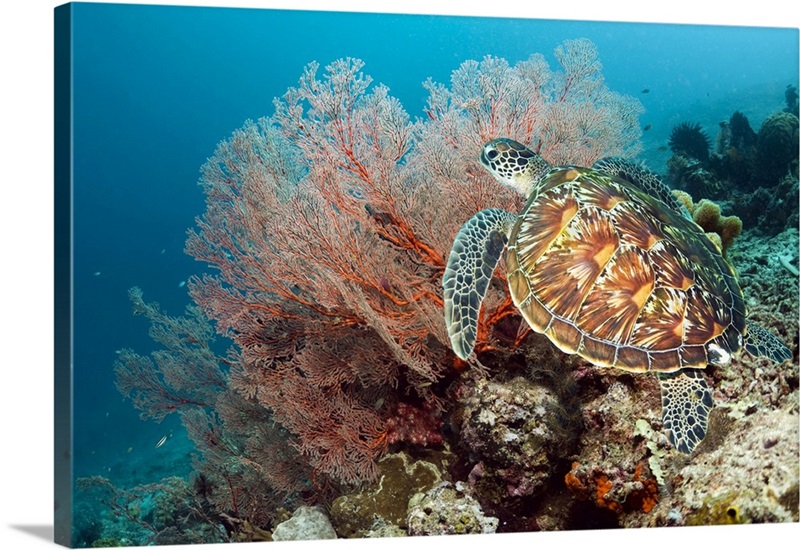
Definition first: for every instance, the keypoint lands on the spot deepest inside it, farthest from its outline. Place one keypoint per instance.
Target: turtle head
(513, 164)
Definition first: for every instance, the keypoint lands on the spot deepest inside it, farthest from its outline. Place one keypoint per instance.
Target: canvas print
(405, 275)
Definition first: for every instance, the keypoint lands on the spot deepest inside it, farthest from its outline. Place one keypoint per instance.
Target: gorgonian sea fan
(329, 224)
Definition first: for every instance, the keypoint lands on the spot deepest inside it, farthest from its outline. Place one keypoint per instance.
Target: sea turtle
(607, 264)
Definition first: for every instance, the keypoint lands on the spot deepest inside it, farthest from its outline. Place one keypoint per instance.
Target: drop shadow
(45, 532)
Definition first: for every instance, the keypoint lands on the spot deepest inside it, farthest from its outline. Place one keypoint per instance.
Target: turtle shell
(612, 274)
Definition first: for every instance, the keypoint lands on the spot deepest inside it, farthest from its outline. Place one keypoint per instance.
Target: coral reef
(386, 502)
(108, 542)
(722, 230)
(770, 292)
(777, 147)
(447, 510)
(689, 174)
(751, 476)
(307, 523)
(167, 512)
(249, 465)
(244, 531)
(340, 389)
(723, 140)
(613, 489)
(688, 139)
(420, 426)
(769, 210)
(508, 430)
(611, 469)
(756, 172)
(791, 99)
(743, 138)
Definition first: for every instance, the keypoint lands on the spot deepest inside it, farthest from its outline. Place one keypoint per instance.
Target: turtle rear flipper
(685, 405)
(760, 342)
(476, 252)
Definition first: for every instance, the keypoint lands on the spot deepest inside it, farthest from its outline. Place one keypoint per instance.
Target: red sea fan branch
(185, 374)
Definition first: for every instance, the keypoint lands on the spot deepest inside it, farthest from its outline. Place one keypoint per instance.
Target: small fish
(163, 250)
(647, 127)
(130, 449)
(161, 442)
(646, 91)
(96, 273)
(182, 284)
(662, 148)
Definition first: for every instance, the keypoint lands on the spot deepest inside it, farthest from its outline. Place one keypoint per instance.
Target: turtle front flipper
(476, 251)
(685, 405)
(760, 342)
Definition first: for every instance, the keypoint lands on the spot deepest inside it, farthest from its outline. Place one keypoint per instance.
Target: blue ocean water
(156, 88)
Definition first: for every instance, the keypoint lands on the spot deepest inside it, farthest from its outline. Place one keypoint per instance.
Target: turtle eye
(492, 154)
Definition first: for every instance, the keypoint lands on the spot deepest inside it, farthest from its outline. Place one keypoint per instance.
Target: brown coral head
(742, 134)
(722, 230)
(777, 147)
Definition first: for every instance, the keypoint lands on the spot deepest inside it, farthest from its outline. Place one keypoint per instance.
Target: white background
(26, 265)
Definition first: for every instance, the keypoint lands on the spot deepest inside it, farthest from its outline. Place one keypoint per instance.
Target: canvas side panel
(63, 274)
